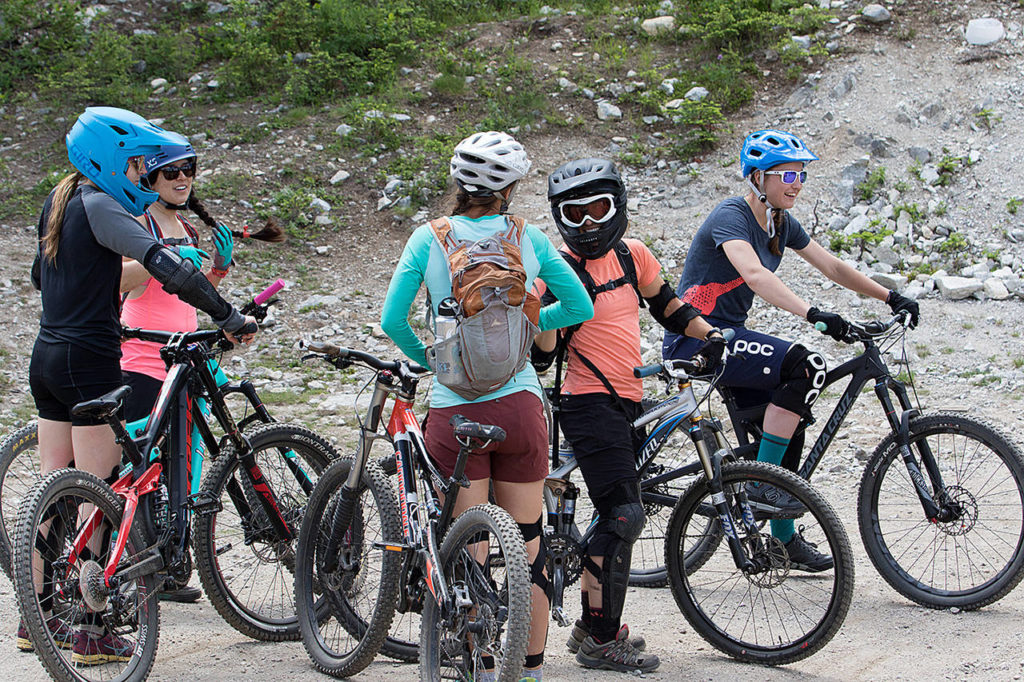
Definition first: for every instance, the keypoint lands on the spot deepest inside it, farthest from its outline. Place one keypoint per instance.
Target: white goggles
(599, 209)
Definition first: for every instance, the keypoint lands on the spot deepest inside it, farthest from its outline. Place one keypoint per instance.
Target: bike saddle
(465, 429)
(104, 406)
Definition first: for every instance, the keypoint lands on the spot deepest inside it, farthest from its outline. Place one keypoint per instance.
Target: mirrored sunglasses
(790, 176)
(599, 209)
(171, 172)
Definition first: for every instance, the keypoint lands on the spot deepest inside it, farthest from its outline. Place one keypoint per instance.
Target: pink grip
(265, 295)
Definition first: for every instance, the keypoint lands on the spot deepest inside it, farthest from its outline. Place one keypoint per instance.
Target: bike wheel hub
(772, 561)
(963, 508)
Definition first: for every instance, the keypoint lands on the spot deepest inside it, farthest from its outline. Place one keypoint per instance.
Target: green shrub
(874, 182)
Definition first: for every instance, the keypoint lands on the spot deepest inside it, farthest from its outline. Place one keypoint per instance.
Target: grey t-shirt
(710, 283)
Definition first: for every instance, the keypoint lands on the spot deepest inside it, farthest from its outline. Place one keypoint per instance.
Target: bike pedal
(391, 546)
(204, 503)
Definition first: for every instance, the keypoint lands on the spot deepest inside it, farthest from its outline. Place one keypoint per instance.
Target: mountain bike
(363, 555)
(737, 585)
(87, 555)
(19, 458)
(941, 501)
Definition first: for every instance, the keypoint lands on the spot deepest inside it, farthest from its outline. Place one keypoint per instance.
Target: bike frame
(670, 414)
(172, 415)
(867, 367)
(423, 521)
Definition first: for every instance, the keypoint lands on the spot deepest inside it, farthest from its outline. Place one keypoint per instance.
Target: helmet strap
(763, 198)
(173, 207)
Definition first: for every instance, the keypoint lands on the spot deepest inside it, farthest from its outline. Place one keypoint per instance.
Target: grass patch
(872, 184)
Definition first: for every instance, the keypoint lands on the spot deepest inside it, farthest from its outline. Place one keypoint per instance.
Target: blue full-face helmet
(100, 143)
(768, 148)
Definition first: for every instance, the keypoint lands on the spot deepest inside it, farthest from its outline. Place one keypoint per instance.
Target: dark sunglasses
(171, 172)
(789, 177)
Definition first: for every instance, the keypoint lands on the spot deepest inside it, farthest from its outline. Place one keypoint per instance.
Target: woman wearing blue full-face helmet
(85, 228)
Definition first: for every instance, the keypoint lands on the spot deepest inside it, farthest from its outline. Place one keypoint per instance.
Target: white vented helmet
(487, 162)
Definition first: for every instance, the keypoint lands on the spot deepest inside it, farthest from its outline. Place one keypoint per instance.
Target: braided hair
(270, 232)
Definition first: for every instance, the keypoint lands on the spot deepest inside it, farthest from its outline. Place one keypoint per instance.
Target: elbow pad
(542, 359)
(181, 278)
(677, 321)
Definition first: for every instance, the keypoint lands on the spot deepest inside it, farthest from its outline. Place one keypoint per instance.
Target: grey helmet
(586, 178)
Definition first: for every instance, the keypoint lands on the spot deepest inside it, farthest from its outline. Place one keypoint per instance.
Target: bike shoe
(804, 556)
(183, 595)
(60, 632)
(768, 502)
(580, 632)
(90, 649)
(618, 654)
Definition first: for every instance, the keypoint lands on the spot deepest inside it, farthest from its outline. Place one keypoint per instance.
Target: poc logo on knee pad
(753, 348)
(817, 377)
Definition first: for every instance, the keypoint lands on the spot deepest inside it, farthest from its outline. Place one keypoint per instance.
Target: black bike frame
(862, 369)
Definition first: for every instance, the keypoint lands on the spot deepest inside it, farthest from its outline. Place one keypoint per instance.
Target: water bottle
(446, 320)
(445, 344)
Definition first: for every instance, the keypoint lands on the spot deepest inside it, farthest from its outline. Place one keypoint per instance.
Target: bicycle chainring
(565, 551)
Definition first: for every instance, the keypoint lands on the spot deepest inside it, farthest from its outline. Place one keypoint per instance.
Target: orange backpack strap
(516, 227)
(442, 230)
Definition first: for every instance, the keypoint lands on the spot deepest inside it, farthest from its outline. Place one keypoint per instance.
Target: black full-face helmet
(588, 203)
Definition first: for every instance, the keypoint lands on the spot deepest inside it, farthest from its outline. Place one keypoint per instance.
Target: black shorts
(61, 375)
(599, 427)
(145, 391)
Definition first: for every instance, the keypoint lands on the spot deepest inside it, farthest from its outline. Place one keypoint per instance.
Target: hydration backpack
(497, 315)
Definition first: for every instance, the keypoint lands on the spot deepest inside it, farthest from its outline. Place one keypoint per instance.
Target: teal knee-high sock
(772, 450)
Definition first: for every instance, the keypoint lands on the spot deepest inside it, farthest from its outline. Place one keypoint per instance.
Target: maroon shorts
(521, 458)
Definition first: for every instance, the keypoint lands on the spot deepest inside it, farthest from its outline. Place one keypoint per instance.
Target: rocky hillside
(913, 108)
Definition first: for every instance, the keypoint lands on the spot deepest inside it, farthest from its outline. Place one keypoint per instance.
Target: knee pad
(803, 376)
(619, 526)
(537, 577)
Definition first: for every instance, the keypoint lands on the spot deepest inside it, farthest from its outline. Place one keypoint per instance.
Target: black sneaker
(804, 556)
(580, 632)
(618, 655)
(768, 502)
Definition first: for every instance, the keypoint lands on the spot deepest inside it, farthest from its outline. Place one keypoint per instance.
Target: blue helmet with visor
(101, 142)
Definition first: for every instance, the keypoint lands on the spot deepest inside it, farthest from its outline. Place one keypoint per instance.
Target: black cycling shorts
(145, 391)
(602, 437)
(61, 375)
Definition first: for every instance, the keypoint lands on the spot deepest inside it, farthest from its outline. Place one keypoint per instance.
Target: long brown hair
(464, 201)
(270, 232)
(55, 220)
(778, 218)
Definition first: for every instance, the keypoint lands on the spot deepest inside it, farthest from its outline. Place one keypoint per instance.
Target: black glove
(898, 303)
(710, 354)
(835, 325)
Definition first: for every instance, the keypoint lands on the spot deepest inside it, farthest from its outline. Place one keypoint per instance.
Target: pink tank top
(155, 309)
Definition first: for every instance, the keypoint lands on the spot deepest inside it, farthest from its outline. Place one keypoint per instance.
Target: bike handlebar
(677, 369)
(349, 355)
(865, 331)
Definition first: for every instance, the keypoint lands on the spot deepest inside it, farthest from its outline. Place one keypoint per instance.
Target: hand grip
(328, 349)
(265, 295)
(646, 371)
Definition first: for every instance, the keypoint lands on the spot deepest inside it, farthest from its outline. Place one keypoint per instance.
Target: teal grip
(820, 326)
